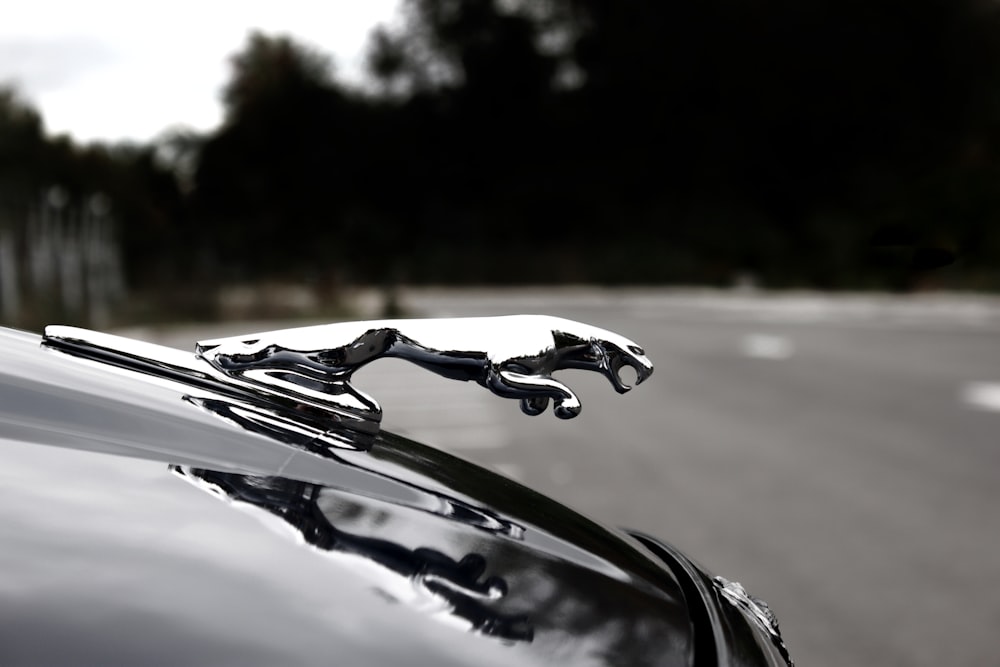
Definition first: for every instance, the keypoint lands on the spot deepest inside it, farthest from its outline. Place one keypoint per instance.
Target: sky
(114, 70)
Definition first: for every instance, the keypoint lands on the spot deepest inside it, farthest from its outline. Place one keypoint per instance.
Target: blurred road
(838, 456)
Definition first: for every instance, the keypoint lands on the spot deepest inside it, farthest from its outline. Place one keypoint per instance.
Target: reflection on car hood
(283, 547)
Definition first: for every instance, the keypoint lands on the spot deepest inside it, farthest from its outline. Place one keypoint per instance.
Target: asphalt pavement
(839, 456)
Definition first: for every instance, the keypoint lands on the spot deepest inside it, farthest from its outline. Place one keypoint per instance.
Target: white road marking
(767, 346)
(982, 395)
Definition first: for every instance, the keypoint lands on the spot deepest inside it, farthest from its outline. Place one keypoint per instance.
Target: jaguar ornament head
(573, 345)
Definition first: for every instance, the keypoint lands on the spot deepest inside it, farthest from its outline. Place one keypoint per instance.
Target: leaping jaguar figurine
(512, 356)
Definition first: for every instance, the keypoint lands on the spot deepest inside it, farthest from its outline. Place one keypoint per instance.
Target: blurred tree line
(820, 143)
(144, 194)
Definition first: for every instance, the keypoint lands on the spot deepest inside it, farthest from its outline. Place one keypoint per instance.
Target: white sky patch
(106, 69)
(982, 395)
(767, 346)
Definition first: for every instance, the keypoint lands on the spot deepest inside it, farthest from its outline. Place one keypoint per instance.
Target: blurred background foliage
(840, 144)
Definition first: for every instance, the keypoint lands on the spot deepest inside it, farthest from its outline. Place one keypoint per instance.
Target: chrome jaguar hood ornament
(295, 379)
(512, 356)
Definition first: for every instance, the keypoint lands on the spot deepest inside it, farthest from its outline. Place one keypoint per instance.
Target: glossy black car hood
(146, 522)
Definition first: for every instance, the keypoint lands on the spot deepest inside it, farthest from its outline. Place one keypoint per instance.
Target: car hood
(148, 521)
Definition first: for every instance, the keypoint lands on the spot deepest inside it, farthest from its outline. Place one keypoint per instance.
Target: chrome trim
(166, 365)
(756, 609)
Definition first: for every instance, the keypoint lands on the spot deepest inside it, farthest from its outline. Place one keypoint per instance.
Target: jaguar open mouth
(619, 362)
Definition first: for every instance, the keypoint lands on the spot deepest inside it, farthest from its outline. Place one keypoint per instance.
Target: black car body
(153, 515)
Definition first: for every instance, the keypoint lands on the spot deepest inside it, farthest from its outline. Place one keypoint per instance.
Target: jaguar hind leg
(534, 391)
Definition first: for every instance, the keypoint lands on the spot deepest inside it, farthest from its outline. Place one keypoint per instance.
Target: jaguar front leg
(534, 406)
(534, 392)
